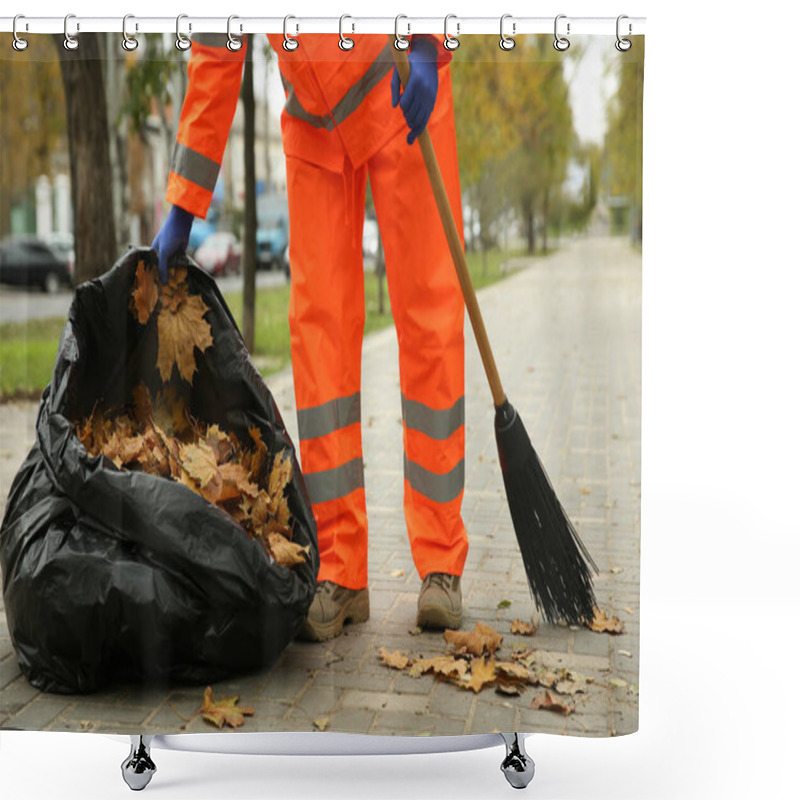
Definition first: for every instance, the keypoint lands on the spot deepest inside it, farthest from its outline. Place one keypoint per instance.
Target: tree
(32, 127)
(623, 144)
(90, 166)
(249, 243)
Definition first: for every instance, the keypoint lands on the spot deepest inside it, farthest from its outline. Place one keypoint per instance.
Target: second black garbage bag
(113, 574)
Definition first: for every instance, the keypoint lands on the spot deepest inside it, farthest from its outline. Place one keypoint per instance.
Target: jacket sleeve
(215, 75)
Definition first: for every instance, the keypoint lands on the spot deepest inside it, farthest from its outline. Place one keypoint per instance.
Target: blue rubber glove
(172, 238)
(419, 97)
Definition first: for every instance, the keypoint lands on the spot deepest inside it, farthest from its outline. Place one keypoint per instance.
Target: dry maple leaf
(181, 328)
(510, 669)
(225, 711)
(445, 666)
(482, 672)
(145, 294)
(200, 463)
(523, 628)
(281, 473)
(287, 553)
(395, 659)
(235, 482)
(548, 702)
(605, 624)
(482, 639)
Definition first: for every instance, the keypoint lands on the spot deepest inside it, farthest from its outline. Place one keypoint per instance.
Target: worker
(347, 118)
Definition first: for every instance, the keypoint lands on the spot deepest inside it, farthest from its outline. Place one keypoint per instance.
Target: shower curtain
(256, 485)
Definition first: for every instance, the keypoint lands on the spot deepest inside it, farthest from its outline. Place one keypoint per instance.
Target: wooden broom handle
(454, 241)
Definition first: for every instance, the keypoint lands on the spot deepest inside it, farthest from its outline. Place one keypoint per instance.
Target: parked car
(63, 245)
(30, 262)
(220, 254)
(272, 232)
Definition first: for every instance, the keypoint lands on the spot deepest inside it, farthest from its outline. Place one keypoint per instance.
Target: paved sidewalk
(567, 337)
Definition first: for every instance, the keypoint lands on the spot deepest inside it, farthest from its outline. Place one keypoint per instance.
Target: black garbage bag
(122, 575)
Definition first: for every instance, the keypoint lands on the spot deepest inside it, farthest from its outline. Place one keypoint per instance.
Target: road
(18, 304)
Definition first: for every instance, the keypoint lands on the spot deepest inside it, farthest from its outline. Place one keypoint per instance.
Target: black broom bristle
(557, 563)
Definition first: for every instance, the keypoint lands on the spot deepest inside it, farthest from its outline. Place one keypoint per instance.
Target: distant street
(18, 305)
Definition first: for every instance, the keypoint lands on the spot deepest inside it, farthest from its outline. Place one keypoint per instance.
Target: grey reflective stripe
(213, 39)
(331, 484)
(329, 417)
(194, 166)
(351, 100)
(439, 424)
(438, 488)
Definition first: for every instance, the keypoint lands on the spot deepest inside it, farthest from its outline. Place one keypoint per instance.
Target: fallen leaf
(523, 628)
(570, 687)
(287, 553)
(280, 475)
(628, 610)
(446, 666)
(321, 723)
(395, 659)
(546, 677)
(585, 490)
(618, 683)
(504, 604)
(604, 624)
(482, 639)
(397, 573)
(626, 653)
(513, 689)
(225, 711)
(512, 669)
(545, 700)
(145, 294)
(181, 328)
(616, 570)
(482, 672)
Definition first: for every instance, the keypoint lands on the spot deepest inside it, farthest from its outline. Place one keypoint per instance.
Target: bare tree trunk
(249, 243)
(545, 215)
(90, 167)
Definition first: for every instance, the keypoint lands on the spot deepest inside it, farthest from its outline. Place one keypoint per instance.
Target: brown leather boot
(331, 608)
(439, 604)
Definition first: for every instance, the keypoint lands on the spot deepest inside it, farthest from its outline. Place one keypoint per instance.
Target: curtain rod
(456, 26)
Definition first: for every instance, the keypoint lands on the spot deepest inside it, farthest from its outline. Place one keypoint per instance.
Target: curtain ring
(345, 42)
(70, 42)
(289, 44)
(129, 44)
(233, 44)
(506, 42)
(400, 42)
(19, 43)
(560, 43)
(182, 42)
(451, 42)
(623, 45)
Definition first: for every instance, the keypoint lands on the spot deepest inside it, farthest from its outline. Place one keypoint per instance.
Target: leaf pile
(472, 664)
(156, 434)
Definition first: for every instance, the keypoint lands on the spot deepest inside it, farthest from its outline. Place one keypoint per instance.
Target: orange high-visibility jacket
(332, 110)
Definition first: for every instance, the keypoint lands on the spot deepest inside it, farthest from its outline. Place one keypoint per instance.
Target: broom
(556, 561)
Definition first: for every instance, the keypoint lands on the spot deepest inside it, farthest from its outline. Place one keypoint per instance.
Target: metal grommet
(623, 45)
(560, 43)
(70, 42)
(345, 42)
(289, 44)
(233, 44)
(182, 42)
(506, 42)
(19, 43)
(400, 42)
(129, 44)
(451, 42)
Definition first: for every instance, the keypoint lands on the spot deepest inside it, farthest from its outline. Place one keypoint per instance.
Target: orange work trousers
(326, 318)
